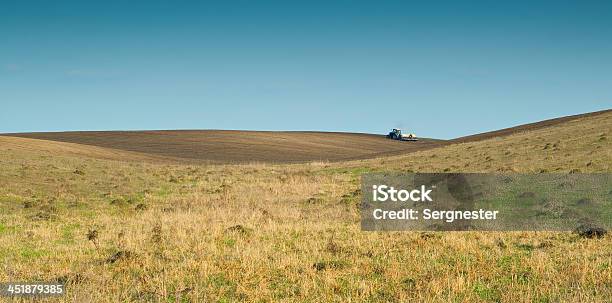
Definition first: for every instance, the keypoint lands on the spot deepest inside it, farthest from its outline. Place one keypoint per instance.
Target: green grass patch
(67, 233)
(354, 171)
(29, 253)
(223, 285)
(485, 292)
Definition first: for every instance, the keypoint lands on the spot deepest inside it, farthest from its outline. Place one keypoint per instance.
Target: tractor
(396, 134)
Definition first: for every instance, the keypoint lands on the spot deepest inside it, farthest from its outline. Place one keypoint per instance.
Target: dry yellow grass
(175, 233)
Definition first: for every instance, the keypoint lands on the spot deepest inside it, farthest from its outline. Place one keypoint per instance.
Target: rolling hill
(233, 146)
(230, 146)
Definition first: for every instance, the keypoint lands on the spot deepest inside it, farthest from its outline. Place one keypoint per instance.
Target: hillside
(528, 127)
(25, 147)
(149, 230)
(227, 146)
(581, 144)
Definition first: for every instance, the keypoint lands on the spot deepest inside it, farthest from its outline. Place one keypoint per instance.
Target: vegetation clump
(590, 231)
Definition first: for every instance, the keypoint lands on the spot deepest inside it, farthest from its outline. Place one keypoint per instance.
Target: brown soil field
(230, 146)
(234, 146)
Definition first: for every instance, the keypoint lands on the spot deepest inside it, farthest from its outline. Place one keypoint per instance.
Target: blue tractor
(396, 134)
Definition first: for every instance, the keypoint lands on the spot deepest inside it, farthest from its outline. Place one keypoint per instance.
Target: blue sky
(441, 69)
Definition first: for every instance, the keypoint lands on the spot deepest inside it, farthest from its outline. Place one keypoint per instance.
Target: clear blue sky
(441, 69)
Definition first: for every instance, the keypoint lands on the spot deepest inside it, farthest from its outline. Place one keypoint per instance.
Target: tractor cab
(395, 134)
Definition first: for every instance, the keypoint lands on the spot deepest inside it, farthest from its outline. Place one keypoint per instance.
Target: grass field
(123, 226)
